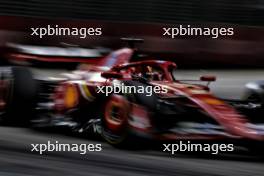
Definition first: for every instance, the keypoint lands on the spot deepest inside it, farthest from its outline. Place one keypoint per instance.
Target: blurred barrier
(246, 12)
(243, 49)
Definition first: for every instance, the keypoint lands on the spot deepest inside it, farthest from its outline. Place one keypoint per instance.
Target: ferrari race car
(121, 100)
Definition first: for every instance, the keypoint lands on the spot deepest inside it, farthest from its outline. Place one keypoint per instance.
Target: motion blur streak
(14, 160)
(118, 18)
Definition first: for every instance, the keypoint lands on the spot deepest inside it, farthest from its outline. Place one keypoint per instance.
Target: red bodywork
(80, 88)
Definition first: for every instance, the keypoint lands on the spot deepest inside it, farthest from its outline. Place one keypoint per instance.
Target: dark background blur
(142, 19)
(245, 12)
(145, 19)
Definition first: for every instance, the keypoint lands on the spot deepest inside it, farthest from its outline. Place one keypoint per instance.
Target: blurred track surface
(16, 158)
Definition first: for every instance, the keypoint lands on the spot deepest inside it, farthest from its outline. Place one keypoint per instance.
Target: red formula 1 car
(121, 99)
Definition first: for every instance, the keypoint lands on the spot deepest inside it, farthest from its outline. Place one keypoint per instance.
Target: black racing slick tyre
(18, 95)
(256, 147)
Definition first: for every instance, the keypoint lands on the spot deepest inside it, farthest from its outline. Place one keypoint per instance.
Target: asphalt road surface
(16, 158)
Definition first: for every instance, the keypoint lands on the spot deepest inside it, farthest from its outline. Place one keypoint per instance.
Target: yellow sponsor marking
(87, 92)
(70, 97)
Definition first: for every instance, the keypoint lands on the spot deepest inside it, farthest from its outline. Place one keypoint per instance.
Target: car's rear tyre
(20, 95)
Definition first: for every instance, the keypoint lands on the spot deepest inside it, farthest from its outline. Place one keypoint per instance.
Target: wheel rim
(116, 113)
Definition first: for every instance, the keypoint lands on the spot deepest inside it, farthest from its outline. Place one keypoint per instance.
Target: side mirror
(111, 74)
(208, 78)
